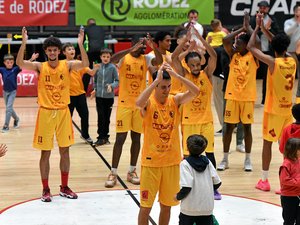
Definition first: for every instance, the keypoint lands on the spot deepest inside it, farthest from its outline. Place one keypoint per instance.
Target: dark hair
(66, 45)
(160, 36)
(295, 7)
(196, 144)
(105, 50)
(280, 42)
(8, 57)
(245, 37)
(291, 147)
(166, 75)
(52, 42)
(91, 21)
(180, 31)
(296, 112)
(136, 38)
(193, 11)
(192, 55)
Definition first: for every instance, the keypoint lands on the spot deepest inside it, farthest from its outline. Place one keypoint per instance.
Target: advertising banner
(231, 12)
(142, 12)
(34, 12)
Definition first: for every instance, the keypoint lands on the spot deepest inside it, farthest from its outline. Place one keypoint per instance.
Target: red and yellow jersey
(132, 79)
(198, 111)
(241, 85)
(161, 135)
(54, 86)
(76, 85)
(280, 87)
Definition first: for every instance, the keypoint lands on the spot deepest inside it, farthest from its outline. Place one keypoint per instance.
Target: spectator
(95, 36)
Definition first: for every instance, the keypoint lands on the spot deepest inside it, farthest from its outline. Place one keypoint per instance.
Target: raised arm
(192, 92)
(119, 55)
(266, 31)
(212, 61)
(142, 100)
(25, 64)
(158, 60)
(257, 53)
(76, 65)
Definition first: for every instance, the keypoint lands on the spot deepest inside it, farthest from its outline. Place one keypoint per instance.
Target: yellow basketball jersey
(132, 79)
(76, 84)
(241, 85)
(198, 111)
(161, 135)
(54, 86)
(280, 87)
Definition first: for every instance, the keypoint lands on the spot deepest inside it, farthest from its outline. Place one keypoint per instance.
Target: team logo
(56, 96)
(272, 133)
(134, 85)
(61, 77)
(240, 79)
(155, 115)
(40, 139)
(115, 10)
(196, 102)
(249, 116)
(171, 114)
(145, 195)
(164, 137)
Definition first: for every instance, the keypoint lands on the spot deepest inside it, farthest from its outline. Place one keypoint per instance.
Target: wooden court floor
(19, 169)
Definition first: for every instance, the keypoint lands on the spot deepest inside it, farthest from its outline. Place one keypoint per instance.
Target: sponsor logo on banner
(34, 12)
(142, 12)
(231, 12)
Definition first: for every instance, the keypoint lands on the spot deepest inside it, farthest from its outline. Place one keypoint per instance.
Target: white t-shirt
(200, 200)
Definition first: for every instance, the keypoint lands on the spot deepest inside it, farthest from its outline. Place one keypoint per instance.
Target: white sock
(247, 155)
(226, 156)
(131, 168)
(265, 175)
(114, 171)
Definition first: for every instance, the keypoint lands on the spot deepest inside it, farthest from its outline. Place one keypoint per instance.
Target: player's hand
(138, 45)
(149, 41)
(3, 149)
(159, 76)
(246, 23)
(24, 35)
(34, 56)
(170, 70)
(80, 36)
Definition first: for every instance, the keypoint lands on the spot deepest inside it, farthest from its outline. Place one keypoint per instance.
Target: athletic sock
(247, 155)
(64, 179)
(226, 156)
(45, 183)
(114, 171)
(131, 168)
(265, 175)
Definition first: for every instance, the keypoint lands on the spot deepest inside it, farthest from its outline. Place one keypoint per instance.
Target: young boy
(105, 81)
(77, 93)
(198, 180)
(9, 77)
(215, 37)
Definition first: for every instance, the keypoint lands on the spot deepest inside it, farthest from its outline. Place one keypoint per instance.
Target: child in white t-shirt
(198, 180)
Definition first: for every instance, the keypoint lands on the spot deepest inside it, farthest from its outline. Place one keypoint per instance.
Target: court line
(119, 178)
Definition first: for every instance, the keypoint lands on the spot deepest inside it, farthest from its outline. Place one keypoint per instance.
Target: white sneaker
(223, 165)
(241, 148)
(247, 165)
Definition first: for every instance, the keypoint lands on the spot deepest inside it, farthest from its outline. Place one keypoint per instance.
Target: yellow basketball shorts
(128, 119)
(273, 126)
(239, 111)
(161, 180)
(205, 129)
(50, 122)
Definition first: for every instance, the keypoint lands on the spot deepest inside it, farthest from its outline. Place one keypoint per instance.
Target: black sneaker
(100, 142)
(16, 123)
(87, 140)
(5, 129)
